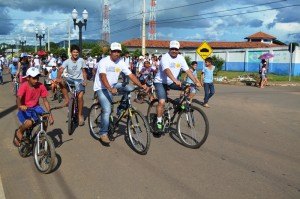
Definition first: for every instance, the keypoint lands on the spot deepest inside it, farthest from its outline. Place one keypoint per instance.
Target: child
(188, 80)
(52, 77)
(146, 77)
(263, 76)
(29, 94)
(208, 81)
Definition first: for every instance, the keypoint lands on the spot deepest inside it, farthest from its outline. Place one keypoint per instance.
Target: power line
(220, 11)
(248, 12)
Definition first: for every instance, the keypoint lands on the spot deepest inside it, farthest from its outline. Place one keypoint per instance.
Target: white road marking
(2, 196)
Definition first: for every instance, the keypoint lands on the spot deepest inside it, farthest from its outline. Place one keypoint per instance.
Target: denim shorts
(27, 115)
(161, 89)
(77, 82)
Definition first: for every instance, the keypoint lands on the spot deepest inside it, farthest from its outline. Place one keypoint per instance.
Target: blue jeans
(209, 91)
(105, 99)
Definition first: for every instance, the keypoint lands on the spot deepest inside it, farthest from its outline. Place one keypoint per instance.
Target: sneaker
(104, 138)
(159, 126)
(206, 105)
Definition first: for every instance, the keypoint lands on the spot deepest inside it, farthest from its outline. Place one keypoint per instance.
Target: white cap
(141, 57)
(51, 64)
(115, 46)
(24, 55)
(174, 44)
(51, 54)
(32, 72)
(37, 56)
(15, 59)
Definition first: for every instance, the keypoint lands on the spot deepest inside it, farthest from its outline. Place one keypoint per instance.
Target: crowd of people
(163, 71)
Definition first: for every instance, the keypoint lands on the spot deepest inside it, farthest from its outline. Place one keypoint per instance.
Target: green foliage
(136, 53)
(188, 60)
(218, 63)
(96, 50)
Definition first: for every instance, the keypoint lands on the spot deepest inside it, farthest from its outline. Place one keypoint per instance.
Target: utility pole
(105, 21)
(69, 37)
(144, 29)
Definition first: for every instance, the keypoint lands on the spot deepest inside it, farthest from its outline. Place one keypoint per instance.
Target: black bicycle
(72, 109)
(191, 122)
(36, 142)
(138, 129)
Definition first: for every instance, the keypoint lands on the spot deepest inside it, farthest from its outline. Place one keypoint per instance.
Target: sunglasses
(175, 49)
(116, 51)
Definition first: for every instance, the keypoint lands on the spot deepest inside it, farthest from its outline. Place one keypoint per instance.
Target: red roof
(193, 45)
(260, 35)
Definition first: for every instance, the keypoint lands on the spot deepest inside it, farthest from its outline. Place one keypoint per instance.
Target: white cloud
(197, 36)
(288, 27)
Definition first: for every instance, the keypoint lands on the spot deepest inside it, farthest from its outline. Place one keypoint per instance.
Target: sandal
(17, 140)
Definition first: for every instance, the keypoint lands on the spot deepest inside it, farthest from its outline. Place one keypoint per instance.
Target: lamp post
(22, 42)
(80, 24)
(40, 36)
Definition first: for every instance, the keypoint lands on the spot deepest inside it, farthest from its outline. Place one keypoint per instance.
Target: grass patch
(271, 77)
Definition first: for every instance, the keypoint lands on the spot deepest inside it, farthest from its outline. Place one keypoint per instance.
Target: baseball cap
(141, 57)
(15, 59)
(115, 46)
(174, 44)
(24, 55)
(32, 72)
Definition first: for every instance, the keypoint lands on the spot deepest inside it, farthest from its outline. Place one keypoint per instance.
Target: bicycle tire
(24, 149)
(94, 120)
(49, 161)
(185, 136)
(135, 132)
(151, 115)
(70, 116)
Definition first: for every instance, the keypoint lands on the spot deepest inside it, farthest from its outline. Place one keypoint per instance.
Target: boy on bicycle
(29, 94)
(170, 65)
(76, 74)
(106, 84)
(53, 77)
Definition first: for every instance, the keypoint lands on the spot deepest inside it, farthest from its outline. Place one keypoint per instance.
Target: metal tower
(105, 24)
(152, 20)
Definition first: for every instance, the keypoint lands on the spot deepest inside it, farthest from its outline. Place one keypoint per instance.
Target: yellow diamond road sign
(204, 50)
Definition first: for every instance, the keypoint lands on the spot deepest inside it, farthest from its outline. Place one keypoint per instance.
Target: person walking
(207, 80)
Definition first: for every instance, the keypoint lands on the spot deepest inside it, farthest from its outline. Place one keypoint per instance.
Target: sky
(185, 20)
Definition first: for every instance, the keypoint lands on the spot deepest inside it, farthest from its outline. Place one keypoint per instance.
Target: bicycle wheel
(192, 127)
(70, 116)
(44, 153)
(139, 132)
(94, 120)
(152, 115)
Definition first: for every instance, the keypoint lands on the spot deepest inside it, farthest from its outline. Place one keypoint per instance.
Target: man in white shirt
(170, 65)
(106, 84)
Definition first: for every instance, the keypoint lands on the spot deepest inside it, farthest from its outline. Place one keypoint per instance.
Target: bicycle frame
(74, 96)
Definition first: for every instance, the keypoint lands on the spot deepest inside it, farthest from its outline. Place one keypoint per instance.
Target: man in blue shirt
(13, 68)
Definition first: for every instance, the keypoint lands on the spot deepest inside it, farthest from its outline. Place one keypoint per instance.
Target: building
(238, 56)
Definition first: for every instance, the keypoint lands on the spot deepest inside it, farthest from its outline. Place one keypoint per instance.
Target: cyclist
(76, 74)
(29, 94)
(193, 69)
(23, 65)
(52, 77)
(106, 84)
(169, 69)
(146, 77)
(13, 68)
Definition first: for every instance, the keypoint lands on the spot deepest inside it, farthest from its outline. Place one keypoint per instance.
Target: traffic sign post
(204, 50)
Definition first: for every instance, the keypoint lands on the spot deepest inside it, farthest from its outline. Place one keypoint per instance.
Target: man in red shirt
(29, 94)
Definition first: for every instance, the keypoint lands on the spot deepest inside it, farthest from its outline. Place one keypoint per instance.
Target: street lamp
(80, 24)
(40, 36)
(22, 42)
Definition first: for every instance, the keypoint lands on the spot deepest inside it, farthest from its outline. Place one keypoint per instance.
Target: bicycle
(16, 86)
(138, 129)
(140, 94)
(58, 94)
(191, 120)
(39, 144)
(72, 108)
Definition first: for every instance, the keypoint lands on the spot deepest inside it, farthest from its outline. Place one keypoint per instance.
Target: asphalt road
(252, 151)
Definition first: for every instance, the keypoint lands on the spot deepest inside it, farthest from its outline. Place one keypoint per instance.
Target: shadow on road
(8, 111)
(56, 136)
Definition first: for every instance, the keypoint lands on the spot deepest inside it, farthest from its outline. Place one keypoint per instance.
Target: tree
(218, 62)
